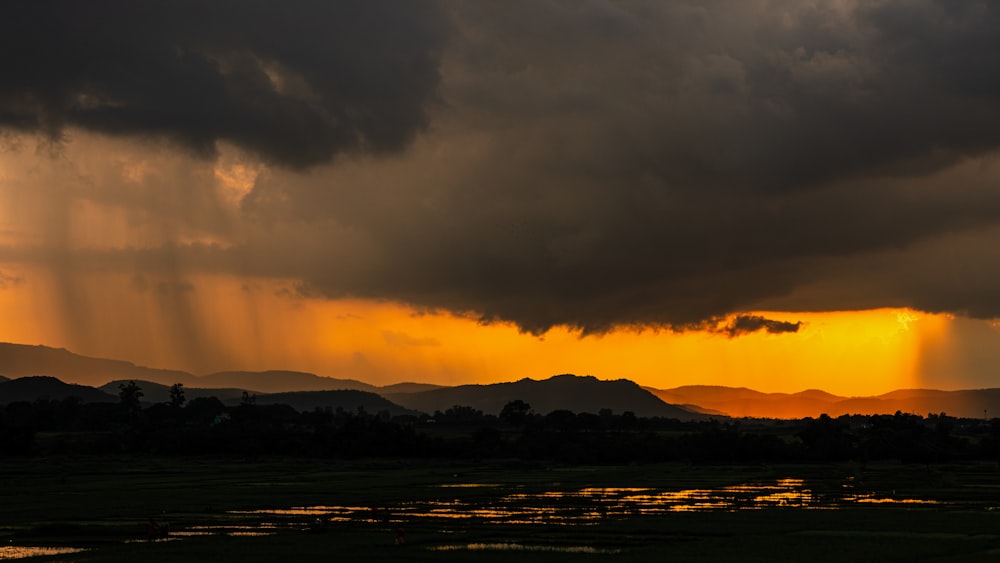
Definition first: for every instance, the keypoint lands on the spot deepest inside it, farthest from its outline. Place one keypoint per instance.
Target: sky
(777, 194)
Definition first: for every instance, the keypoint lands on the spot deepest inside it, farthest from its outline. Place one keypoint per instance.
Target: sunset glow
(258, 325)
(641, 195)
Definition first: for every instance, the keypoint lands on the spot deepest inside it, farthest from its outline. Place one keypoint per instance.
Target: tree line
(206, 426)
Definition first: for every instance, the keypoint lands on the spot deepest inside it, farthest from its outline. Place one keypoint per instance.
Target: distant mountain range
(742, 402)
(567, 392)
(347, 399)
(158, 393)
(19, 360)
(32, 372)
(306, 391)
(276, 381)
(32, 388)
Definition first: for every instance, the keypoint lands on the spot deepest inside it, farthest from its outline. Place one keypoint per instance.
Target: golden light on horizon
(260, 326)
(210, 323)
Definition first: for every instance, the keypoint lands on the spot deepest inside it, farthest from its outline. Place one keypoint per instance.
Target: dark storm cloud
(293, 82)
(591, 164)
(671, 163)
(746, 324)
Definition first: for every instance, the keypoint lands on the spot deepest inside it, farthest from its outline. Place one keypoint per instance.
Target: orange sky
(258, 326)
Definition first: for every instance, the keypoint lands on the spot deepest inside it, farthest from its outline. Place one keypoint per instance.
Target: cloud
(663, 163)
(293, 82)
(10, 280)
(586, 164)
(746, 324)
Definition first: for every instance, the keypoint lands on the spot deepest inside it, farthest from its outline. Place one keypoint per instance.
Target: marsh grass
(103, 504)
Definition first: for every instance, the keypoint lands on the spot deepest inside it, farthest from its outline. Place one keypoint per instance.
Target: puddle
(873, 500)
(522, 547)
(469, 485)
(21, 552)
(233, 530)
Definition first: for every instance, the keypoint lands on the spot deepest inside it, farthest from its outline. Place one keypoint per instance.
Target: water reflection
(521, 547)
(477, 504)
(591, 505)
(233, 530)
(23, 552)
(873, 500)
(468, 485)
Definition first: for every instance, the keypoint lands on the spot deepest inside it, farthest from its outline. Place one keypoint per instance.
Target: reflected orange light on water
(24, 552)
(589, 506)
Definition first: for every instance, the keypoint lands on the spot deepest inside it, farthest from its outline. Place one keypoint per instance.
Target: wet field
(161, 510)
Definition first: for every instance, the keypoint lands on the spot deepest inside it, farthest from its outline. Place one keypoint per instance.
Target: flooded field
(257, 512)
(590, 505)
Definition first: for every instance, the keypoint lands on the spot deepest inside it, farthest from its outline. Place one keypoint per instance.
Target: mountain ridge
(45, 387)
(744, 402)
(559, 392)
(18, 361)
(34, 387)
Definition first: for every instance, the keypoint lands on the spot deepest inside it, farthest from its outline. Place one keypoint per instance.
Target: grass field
(266, 510)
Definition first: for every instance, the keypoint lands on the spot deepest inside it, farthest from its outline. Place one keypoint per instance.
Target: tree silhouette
(248, 400)
(177, 395)
(515, 412)
(129, 395)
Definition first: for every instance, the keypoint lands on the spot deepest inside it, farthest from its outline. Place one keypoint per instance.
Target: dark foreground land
(119, 509)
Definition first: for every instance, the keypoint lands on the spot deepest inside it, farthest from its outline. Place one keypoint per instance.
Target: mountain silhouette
(350, 400)
(158, 393)
(35, 387)
(18, 360)
(741, 402)
(561, 392)
(277, 381)
(346, 399)
(33, 372)
(407, 387)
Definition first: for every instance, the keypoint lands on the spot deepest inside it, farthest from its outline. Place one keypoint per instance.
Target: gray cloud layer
(294, 82)
(590, 164)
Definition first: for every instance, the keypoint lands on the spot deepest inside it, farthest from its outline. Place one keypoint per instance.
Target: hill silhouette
(19, 360)
(561, 392)
(158, 393)
(34, 387)
(743, 402)
(408, 387)
(740, 401)
(278, 381)
(578, 394)
(350, 400)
